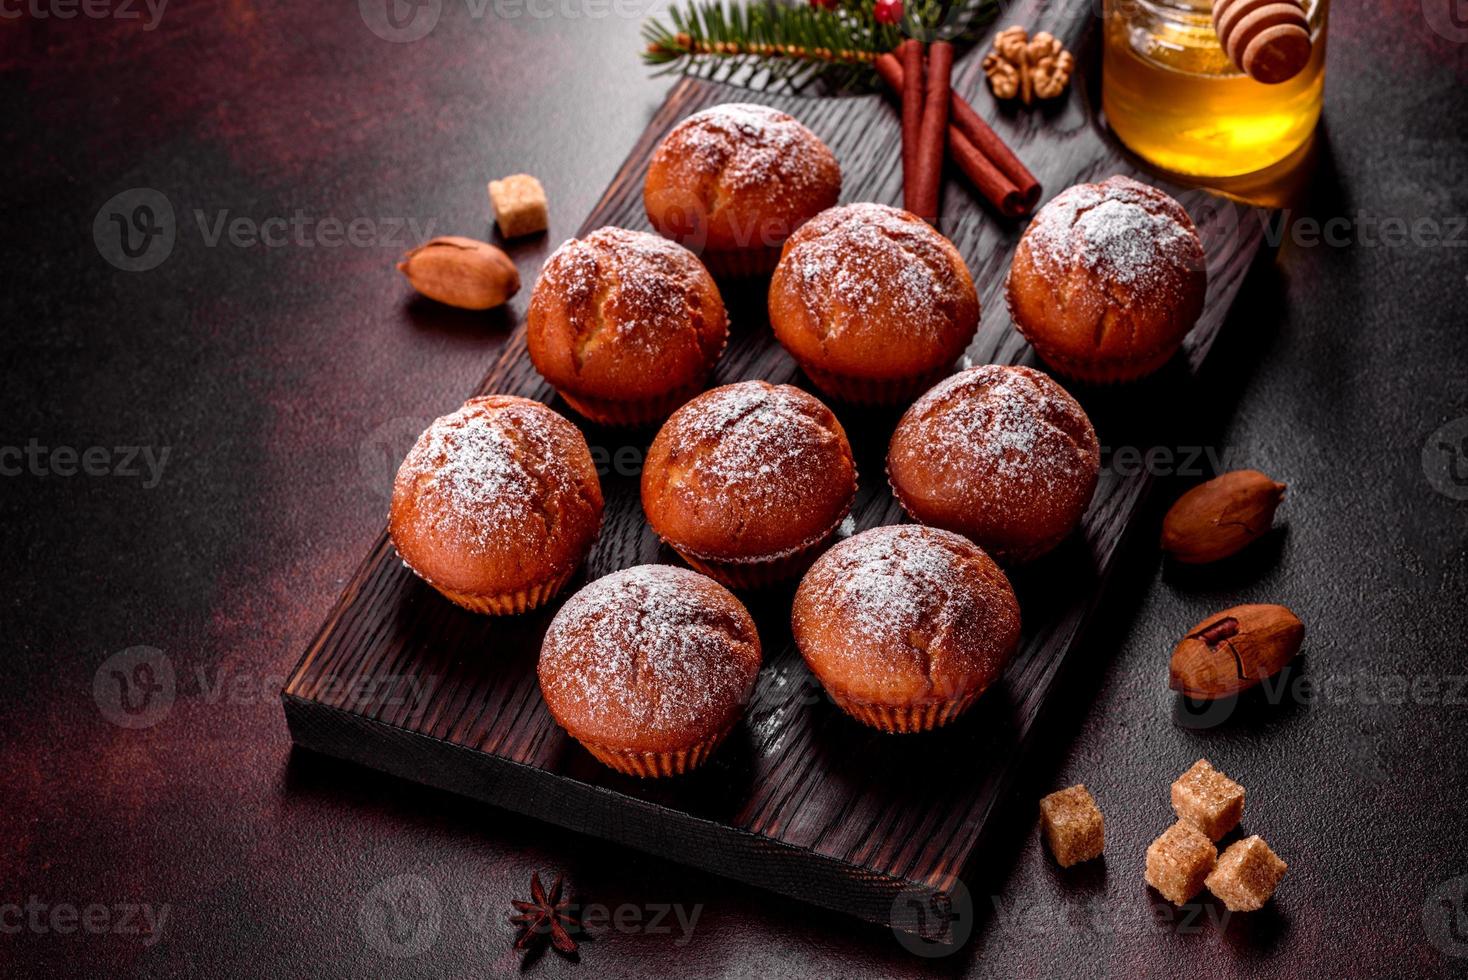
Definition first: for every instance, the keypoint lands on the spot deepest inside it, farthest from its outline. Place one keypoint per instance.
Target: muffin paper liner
(609, 411)
(873, 391)
(638, 412)
(760, 574)
(1007, 557)
(651, 765)
(1091, 372)
(507, 603)
(904, 719)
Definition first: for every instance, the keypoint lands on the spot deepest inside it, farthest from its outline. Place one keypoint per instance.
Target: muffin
(1002, 455)
(1107, 281)
(625, 325)
(496, 504)
(747, 482)
(734, 181)
(872, 303)
(905, 626)
(649, 668)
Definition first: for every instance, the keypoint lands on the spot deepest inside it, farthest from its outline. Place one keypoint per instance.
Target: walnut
(1028, 68)
(1003, 76)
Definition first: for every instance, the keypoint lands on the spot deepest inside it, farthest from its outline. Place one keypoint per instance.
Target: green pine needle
(791, 44)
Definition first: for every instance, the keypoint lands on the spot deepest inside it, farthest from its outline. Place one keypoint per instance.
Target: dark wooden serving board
(800, 799)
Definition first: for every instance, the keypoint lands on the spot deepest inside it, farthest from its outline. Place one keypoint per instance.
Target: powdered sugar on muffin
(872, 303)
(1009, 423)
(642, 288)
(496, 504)
(849, 261)
(756, 431)
(766, 455)
(649, 651)
(914, 600)
(734, 181)
(1002, 455)
(748, 145)
(905, 626)
(1108, 280)
(1119, 229)
(480, 471)
(748, 481)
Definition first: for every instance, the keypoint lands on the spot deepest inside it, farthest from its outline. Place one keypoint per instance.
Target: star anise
(546, 914)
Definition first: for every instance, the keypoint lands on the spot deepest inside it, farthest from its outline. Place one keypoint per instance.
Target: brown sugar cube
(1073, 825)
(1246, 875)
(519, 205)
(1207, 799)
(1179, 861)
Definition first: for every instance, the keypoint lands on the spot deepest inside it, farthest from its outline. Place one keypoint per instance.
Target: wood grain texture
(800, 799)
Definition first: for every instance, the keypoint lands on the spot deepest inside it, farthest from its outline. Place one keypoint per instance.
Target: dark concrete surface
(230, 420)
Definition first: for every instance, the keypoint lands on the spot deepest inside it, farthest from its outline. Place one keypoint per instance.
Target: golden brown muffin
(905, 626)
(1107, 280)
(1002, 455)
(497, 504)
(734, 181)
(625, 325)
(649, 668)
(872, 303)
(747, 482)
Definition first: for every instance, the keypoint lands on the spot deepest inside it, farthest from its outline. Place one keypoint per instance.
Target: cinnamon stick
(987, 179)
(987, 142)
(911, 90)
(934, 133)
(979, 161)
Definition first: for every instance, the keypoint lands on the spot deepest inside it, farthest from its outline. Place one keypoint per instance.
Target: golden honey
(1173, 97)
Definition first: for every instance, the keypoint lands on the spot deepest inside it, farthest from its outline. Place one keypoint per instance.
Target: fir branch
(767, 43)
(791, 44)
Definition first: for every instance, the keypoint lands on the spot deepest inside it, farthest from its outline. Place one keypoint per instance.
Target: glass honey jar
(1171, 94)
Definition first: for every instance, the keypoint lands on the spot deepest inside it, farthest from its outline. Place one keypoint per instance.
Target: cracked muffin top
(498, 496)
(904, 616)
(650, 658)
(873, 292)
(1002, 455)
(1107, 280)
(624, 316)
(748, 472)
(738, 177)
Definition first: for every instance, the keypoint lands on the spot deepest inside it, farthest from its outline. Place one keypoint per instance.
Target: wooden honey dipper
(1268, 40)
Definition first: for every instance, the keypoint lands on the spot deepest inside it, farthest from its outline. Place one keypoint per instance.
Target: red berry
(888, 11)
(825, 4)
